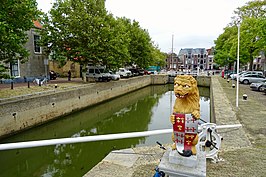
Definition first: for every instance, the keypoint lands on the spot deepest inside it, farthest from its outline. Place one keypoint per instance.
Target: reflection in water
(142, 110)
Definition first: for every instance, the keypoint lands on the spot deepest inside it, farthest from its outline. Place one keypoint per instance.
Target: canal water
(145, 109)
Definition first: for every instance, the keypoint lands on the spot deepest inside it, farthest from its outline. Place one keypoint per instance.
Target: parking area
(244, 89)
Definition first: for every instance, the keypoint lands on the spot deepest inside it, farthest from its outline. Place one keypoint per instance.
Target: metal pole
(237, 70)
(39, 143)
(171, 64)
(30, 144)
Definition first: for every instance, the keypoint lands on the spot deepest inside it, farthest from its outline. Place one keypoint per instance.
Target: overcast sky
(193, 23)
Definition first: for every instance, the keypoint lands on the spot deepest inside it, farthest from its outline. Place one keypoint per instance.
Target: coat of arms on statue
(185, 130)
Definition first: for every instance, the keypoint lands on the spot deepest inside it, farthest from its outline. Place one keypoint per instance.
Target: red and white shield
(185, 130)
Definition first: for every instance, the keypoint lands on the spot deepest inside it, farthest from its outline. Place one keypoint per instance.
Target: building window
(37, 48)
(14, 69)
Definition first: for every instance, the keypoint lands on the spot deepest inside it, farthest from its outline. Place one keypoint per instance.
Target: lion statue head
(187, 94)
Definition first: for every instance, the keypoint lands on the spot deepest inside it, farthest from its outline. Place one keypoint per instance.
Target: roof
(192, 51)
(37, 24)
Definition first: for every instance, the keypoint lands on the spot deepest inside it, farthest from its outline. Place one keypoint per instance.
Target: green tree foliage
(140, 47)
(252, 35)
(16, 17)
(75, 30)
(158, 57)
(223, 46)
(3, 72)
(84, 32)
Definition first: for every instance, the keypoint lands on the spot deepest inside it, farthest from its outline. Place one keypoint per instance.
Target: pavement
(242, 152)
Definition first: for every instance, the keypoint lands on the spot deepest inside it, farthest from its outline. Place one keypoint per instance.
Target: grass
(24, 90)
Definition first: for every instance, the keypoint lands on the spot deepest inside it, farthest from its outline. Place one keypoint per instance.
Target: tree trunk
(84, 70)
(251, 60)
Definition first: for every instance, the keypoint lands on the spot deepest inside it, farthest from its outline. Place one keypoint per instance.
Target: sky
(190, 23)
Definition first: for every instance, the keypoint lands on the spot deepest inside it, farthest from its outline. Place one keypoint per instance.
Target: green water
(142, 110)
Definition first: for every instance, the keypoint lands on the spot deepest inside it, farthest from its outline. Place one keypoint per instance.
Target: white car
(251, 78)
(233, 76)
(124, 72)
(98, 73)
(258, 86)
(114, 76)
(251, 72)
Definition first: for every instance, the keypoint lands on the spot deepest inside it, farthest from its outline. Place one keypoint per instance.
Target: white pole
(237, 70)
(172, 51)
(39, 143)
(30, 144)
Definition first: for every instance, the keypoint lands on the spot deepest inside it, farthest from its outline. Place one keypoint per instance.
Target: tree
(76, 30)
(252, 39)
(140, 47)
(82, 31)
(223, 47)
(253, 14)
(16, 17)
(117, 45)
(158, 57)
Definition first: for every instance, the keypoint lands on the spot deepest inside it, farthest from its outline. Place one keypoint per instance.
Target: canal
(145, 109)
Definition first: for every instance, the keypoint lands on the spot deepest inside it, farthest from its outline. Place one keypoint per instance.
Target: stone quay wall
(23, 112)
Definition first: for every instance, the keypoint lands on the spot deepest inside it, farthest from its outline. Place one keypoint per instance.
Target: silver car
(257, 86)
(251, 78)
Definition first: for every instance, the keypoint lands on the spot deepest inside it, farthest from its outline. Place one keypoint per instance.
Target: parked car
(251, 72)
(98, 73)
(233, 76)
(263, 89)
(134, 71)
(251, 78)
(257, 86)
(124, 72)
(141, 72)
(154, 72)
(53, 75)
(114, 76)
(146, 72)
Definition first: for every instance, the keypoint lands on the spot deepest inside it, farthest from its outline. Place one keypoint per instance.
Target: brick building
(194, 58)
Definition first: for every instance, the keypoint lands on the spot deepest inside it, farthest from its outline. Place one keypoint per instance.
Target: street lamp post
(237, 65)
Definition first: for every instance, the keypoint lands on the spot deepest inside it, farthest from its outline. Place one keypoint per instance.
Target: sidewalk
(243, 150)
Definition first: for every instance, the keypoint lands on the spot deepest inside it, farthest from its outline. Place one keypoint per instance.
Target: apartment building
(194, 58)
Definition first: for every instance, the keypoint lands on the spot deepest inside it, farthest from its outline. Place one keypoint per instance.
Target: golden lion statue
(186, 108)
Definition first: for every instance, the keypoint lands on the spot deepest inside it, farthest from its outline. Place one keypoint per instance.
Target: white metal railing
(30, 144)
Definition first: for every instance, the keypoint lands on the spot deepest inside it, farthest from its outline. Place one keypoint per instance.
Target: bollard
(28, 84)
(233, 85)
(55, 85)
(12, 85)
(228, 80)
(245, 97)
